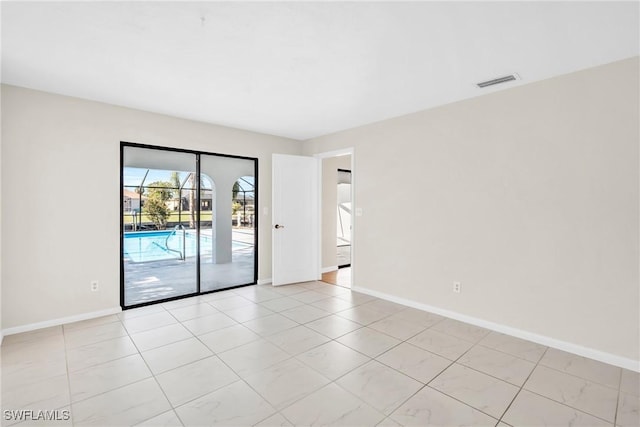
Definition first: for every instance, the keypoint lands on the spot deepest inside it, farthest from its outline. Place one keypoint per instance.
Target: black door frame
(349, 264)
(197, 154)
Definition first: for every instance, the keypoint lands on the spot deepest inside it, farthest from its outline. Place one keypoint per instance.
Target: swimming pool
(144, 246)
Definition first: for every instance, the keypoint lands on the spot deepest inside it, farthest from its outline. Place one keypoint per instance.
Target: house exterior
(131, 200)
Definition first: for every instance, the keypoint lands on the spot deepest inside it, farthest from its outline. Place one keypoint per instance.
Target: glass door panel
(159, 253)
(228, 240)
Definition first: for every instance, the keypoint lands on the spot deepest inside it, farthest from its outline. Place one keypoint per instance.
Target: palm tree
(175, 182)
(192, 188)
(235, 190)
(192, 200)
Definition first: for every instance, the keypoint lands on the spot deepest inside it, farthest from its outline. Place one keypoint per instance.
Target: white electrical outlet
(95, 286)
(457, 287)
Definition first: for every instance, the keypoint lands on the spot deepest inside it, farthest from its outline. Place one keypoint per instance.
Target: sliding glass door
(184, 229)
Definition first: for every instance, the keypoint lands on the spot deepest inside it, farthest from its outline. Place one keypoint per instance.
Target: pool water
(145, 246)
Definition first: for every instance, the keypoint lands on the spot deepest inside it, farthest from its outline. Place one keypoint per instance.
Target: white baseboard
(59, 321)
(612, 359)
(329, 269)
(264, 281)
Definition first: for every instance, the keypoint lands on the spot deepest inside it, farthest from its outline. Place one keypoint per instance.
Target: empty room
(320, 213)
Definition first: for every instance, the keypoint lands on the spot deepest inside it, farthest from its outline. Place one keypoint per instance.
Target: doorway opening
(337, 222)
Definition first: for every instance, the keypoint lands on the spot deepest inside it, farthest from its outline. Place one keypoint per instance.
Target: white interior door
(296, 219)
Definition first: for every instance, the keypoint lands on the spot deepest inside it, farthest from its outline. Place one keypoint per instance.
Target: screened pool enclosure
(188, 222)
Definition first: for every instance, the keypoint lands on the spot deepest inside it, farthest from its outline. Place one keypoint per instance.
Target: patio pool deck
(156, 280)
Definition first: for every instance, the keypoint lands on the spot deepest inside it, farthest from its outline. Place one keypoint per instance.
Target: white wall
(528, 196)
(330, 166)
(1, 241)
(1, 334)
(54, 145)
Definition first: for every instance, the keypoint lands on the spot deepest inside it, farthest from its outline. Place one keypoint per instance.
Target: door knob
(278, 226)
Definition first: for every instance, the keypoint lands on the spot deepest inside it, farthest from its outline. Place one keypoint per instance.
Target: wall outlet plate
(95, 286)
(457, 287)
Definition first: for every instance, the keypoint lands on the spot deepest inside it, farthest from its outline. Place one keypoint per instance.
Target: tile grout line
(65, 349)
(121, 386)
(456, 362)
(155, 379)
(522, 385)
(330, 380)
(553, 400)
(615, 416)
(424, 385)
(478, 342)
(241, 378)
(66, 363)
(153, 374)
(570, 407)
(294, 357)
(506, 353)
(578, 376)
(334, 381)
(582, 377)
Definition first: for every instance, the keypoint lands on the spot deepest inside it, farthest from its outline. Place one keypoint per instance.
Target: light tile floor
(306, 354)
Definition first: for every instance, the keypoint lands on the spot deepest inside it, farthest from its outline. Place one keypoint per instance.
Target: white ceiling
(302, 69)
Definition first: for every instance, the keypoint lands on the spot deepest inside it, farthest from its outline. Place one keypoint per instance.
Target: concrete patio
(156, 280)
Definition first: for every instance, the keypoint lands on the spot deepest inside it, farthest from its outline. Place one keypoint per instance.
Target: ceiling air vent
(497, 81)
